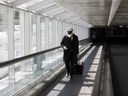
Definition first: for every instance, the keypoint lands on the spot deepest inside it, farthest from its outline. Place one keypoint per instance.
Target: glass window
(32, 2)
(50, 32)
(3, 34)
(42, 34)
(33, 33)
(18, 34)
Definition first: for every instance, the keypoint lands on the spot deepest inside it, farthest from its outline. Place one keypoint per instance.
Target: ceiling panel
(93, 12)
(49, 8)
(20, 2)
(40, 5)
(89, 10)
(121, 16)
(63, 14)
(55, 11)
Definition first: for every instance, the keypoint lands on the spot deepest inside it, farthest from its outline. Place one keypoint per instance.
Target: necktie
(71, 38)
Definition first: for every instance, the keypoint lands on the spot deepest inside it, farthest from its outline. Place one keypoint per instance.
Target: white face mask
(69, 35)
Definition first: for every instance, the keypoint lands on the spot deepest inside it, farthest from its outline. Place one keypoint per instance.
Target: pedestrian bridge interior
(31, 58)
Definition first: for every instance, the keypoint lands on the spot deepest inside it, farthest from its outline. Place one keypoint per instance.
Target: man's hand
(65, 48)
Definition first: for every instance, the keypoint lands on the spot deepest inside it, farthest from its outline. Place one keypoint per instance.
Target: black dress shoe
(71, 77)
(67, 75)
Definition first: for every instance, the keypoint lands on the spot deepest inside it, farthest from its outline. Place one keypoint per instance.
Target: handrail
(60, 71)
(10, 62)
(15, 60)
(107, 85)
(104, 85)
(97, 83)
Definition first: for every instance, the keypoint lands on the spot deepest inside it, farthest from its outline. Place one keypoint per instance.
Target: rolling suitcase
(78, 68)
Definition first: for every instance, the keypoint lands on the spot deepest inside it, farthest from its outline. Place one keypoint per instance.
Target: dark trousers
(70, 60)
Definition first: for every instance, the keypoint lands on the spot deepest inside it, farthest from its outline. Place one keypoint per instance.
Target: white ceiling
(95, 12)
(86, 12)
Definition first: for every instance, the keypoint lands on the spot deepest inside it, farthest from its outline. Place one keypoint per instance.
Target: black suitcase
(78, 68)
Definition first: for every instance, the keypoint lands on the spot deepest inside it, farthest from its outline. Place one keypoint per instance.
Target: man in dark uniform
(70, 44)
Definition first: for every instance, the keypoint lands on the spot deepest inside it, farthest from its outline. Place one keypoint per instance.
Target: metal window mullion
(43, 34)
(86, 30)
(30, 32)
(38, 38)
(47, 32)
(26, 39)
(56, 32)
(22, 31)
(53, 32)
(38, 41)
(22, 27)
(56, 26)
(11, 44)
(59, 31)
(27, 34)
(50, 33)
(64, 28)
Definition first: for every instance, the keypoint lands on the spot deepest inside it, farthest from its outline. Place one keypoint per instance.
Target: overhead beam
(19, 2)
(73, 19)
(114, 8)
(62, 14)
(40, 5)
(68, 16)
(55, 11)
(47, 9)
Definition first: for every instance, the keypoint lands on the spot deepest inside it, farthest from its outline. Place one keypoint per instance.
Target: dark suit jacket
(72, 45)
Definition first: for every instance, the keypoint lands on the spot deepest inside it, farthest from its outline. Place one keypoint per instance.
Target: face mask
(69, 32)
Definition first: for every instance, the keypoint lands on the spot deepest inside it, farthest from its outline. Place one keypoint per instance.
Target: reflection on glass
(43, 65)
(42, 34)
(4, 79)
(3, 34)
(33, 33)
(50, 33)
(30, 3)
(17, 34)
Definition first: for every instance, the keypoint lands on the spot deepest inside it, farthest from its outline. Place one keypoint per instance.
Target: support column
(38, 41)
(11, 44)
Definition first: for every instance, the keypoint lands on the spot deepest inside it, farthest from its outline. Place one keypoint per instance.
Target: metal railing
(17, 73)
(103, 83)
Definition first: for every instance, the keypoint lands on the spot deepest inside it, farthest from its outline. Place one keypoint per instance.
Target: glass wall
(19, 37)
(18, 33)
(42, 34)
(25, 32)
(3, 34)
(33, 33)
(50, 33)
(59, 32)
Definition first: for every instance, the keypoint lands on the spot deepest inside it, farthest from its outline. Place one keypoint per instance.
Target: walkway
(79, 85)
